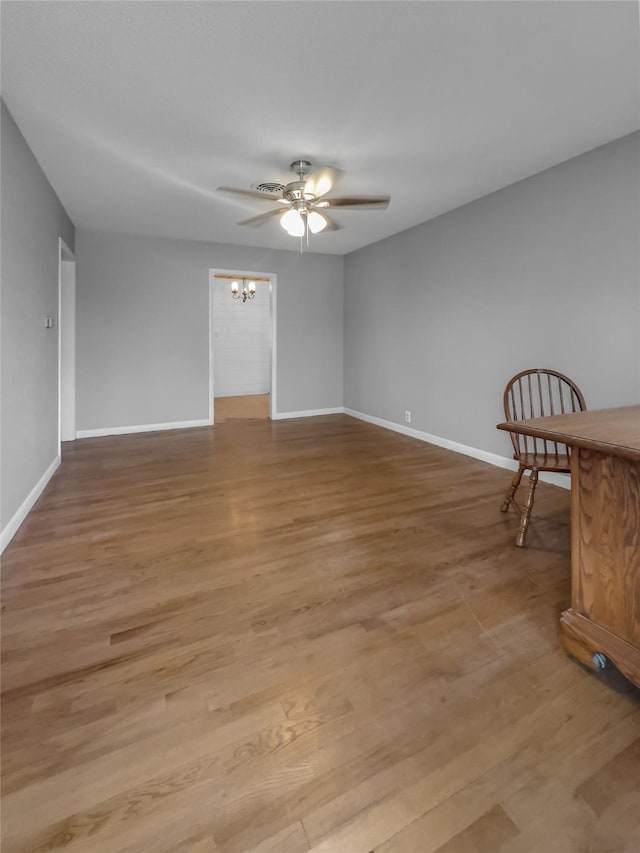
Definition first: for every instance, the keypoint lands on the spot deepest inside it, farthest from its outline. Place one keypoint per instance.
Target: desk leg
(604, 617)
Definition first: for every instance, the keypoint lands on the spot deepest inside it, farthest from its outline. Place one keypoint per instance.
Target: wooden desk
(604, 617)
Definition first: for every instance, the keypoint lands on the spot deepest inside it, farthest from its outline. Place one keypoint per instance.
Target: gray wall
(143, 327)
(32, 221)
(544, 273)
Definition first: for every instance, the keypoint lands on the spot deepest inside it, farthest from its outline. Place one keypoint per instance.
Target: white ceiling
(137, 111)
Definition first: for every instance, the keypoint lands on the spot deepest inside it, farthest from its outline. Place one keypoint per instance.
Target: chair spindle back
(535, 394)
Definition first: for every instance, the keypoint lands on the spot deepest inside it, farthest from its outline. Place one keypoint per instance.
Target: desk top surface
(614, 431)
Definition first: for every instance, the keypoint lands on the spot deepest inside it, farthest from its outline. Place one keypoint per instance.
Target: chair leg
(526, 512)
(513, 488)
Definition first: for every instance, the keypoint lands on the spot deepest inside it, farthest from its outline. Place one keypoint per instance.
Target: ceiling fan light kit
(306, 201)
(316, 222)
(293, 223)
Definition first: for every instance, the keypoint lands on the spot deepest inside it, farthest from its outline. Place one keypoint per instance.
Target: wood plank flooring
(290, 636)
(246, 406)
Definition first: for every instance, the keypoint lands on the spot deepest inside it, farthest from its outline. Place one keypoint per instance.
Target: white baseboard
(308, 413)
(562, 480)
(125, 430)
(11, 528)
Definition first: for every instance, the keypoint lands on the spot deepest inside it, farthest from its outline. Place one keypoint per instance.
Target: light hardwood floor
(301, 635)
(247, 406)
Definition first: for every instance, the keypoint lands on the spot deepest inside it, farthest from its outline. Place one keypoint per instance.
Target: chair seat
(542, 462)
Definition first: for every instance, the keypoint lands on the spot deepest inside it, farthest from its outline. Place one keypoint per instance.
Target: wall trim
(562, 480)
(64, 254)
(125, 430)
(11, 527)
(307, 413)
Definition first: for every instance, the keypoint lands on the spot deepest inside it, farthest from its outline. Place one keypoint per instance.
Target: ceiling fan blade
(262, 217)
(321, 181)
(253, 194)
(373, 202)
(331, 225)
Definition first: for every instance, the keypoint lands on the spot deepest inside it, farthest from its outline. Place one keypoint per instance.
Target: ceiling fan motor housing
(295, 191)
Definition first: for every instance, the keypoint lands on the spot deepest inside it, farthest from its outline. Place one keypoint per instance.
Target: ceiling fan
(303, 203)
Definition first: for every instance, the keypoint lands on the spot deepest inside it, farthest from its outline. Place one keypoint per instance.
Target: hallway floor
(240, 408)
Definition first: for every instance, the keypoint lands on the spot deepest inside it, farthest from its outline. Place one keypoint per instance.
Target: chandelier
(248, 289)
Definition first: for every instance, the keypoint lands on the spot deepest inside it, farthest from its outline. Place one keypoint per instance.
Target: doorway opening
(66, 344)
(242, 345)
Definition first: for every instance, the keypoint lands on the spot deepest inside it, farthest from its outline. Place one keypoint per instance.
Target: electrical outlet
(407, 417)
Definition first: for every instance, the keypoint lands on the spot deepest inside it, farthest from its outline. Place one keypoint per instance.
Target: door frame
(65, 255)
(273, 314)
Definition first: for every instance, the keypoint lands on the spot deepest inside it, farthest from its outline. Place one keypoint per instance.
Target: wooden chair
(534, 394)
